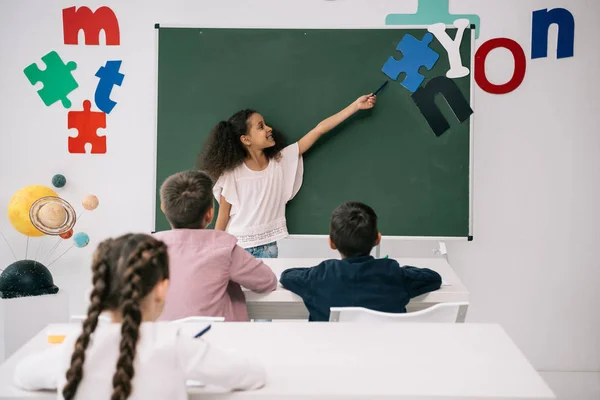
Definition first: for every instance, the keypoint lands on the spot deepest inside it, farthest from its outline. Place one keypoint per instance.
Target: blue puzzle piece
(109, 76)
(432, 12)
(415, 54)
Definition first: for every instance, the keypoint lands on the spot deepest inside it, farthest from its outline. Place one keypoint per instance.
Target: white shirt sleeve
(202, 362)
(293, 170)
(226, 186)
(40, 371)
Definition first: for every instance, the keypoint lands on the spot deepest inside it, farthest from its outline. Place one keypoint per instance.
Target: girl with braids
(256, 174)
(133, 357)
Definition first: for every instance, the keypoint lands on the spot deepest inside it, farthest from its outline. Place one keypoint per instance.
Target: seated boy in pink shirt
(207, 266)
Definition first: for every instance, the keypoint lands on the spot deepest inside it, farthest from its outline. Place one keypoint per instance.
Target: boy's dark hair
(223, 150)
(353, 229)
(124, 271)
(186, 197)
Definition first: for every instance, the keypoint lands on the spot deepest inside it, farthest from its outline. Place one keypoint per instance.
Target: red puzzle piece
(87, 122)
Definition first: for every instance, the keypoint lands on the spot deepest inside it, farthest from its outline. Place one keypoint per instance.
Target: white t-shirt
(258, 198)
(165, 360)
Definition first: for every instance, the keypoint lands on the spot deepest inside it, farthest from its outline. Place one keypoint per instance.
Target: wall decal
(518, 74)
(424, 98)
(452, 47)
(541, 21)
(431, 12)
(57, 79)
(415, 54)
(109, 76)
(87, 122)
(91, 22)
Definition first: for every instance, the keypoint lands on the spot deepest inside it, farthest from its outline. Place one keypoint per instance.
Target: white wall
(532, 266)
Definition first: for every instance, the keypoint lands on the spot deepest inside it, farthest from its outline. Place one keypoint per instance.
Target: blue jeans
(268, 250)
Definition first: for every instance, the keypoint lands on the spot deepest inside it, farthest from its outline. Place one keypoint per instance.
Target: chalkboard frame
(470, 30)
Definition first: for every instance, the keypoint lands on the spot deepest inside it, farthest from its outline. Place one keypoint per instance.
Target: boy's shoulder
(361, 265)
(356, 268)
(330, 262)
(334, 264)
(196, 236)
(360, 261)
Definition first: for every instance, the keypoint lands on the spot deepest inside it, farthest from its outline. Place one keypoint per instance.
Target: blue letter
(541, 21)
(109, 76)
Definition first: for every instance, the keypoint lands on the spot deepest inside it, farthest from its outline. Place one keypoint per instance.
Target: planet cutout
(81, 239)
(59, 180)
(90, 202)
(51, 220)
(52, 215)
(20, 204)
(66, 235)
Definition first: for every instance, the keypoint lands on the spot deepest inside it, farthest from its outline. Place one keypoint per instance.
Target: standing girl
(256, 174)
(133, 357)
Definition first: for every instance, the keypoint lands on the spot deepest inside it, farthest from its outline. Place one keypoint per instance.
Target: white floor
(574, 385)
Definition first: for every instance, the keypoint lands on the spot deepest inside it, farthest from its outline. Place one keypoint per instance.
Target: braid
(99, 282)
(131, 296)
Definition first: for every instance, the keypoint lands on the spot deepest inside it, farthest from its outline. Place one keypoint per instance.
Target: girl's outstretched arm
(362, 103)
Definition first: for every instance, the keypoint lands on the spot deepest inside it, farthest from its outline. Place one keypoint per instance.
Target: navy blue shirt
(377, 284)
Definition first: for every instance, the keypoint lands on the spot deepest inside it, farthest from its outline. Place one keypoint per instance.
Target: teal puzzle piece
(57, 79)
(431, 12)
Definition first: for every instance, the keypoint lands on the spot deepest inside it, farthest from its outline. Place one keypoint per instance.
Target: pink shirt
(206, 270)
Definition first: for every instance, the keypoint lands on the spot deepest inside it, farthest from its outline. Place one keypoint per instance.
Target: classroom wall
(532, 265)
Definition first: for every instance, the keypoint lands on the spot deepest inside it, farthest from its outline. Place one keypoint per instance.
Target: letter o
(518, 74)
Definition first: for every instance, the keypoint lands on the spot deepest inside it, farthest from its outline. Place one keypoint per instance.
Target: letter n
(541, 21)
(91, 23)
(424, 98)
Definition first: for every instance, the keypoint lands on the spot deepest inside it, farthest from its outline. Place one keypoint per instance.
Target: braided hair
(124, 271)
(97, 297)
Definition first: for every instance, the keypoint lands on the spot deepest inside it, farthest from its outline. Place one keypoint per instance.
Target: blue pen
(202, 332)
(380, 87)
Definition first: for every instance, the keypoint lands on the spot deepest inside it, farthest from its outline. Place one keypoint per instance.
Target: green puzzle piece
(57, 79)
(431, 12)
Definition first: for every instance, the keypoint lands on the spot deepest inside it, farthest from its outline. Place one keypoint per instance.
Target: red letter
(518, 74)
(91, 23)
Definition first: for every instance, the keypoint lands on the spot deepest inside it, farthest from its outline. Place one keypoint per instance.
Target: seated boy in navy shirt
(358, 279)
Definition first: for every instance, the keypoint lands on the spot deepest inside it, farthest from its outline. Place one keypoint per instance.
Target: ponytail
(223, 150)
(225, 128)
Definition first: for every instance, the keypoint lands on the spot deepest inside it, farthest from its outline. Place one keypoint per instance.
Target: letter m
(92, 23)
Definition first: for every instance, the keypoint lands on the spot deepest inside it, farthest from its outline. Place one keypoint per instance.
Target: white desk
(22, 318)
(283, 304)
(360, 361)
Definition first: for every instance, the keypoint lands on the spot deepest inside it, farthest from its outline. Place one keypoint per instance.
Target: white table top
(360, 361)
(454, 292)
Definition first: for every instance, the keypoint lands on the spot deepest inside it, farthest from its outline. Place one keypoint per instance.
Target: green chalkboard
(387, 157)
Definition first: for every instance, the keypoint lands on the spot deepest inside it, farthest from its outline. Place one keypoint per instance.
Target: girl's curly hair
(223, 150)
